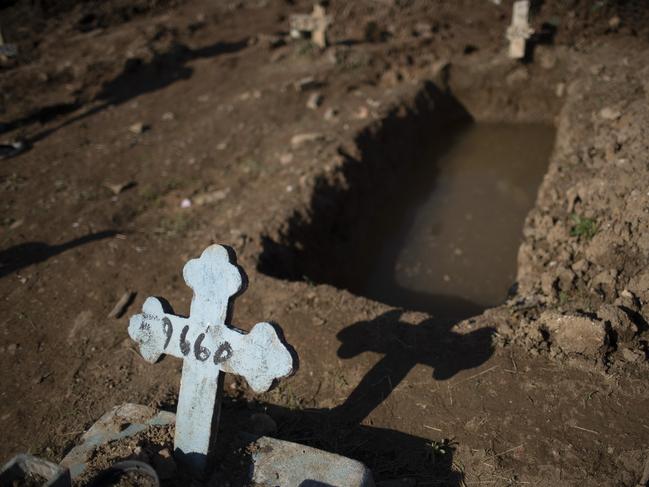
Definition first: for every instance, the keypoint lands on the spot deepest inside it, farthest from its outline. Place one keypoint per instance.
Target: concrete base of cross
(278, 462)
(117, 424)
(273, 461)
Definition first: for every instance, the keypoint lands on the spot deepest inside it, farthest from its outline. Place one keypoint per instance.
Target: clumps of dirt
(153, 446)
(610, 340)
(30, 480)
(584, 254)
(575, 336)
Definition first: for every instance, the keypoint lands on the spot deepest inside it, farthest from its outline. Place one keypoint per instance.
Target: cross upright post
(519, 30)
(208, 348)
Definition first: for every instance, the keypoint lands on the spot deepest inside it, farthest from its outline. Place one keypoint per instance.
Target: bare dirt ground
(128, 108)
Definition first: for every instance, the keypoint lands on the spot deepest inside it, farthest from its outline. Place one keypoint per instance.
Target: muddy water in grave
(449, 246)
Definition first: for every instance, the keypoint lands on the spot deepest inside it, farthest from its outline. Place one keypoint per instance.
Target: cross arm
(154, 331)
(260, 356)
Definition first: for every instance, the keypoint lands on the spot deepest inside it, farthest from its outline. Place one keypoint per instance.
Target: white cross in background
(208, 348)
(519, 30)
(315, 23)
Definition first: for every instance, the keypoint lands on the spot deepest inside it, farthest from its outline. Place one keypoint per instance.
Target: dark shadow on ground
(23, 255)
(388, 453)
(137, 78)
(404, 345)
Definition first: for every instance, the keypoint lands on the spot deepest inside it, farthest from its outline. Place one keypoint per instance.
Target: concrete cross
(208, 348)
(519, 30)
(316, 23)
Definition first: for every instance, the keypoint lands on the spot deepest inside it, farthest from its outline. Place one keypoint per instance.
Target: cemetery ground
(153, 129)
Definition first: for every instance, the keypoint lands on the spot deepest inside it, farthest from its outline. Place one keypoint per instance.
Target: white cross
(519, 30)
(316, 23)
(208, 348)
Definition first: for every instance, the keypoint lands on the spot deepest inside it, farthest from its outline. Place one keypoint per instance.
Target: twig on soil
(122, 304)
(473, 376)
(511, 356)
(583, 429)
(432, 428)
(644, 480)
(73, 433)
(507, 451)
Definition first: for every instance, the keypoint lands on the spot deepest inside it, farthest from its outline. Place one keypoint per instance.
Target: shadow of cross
(404, 345)
(208, 348)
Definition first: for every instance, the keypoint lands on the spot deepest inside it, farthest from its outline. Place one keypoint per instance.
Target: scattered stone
(330, 114)
(262, 424)
(12, 149)
(519, 30)
(16, 224)
(286, 159)
(597, 69)
(605, 281)
(277, 462)
(362, 113)
(610, 113)
(560, 89)
(565, 278)
(633, 356)
(301, 139)
(580, 266)
(314, 101)
(186, 203)
(626, 294)
(619, 322)
(118, 188)
(122, 304)
(138, 128)
(614, 23)
(212, 197)
(639, 285)
(12, 348)
(577, 335)
(247, 95)
(222, 146)
(423, 30)
(168, 116)
(391, 77)
(308, 83)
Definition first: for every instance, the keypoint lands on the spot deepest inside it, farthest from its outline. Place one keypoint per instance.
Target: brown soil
(548, 389)
(145, 447)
